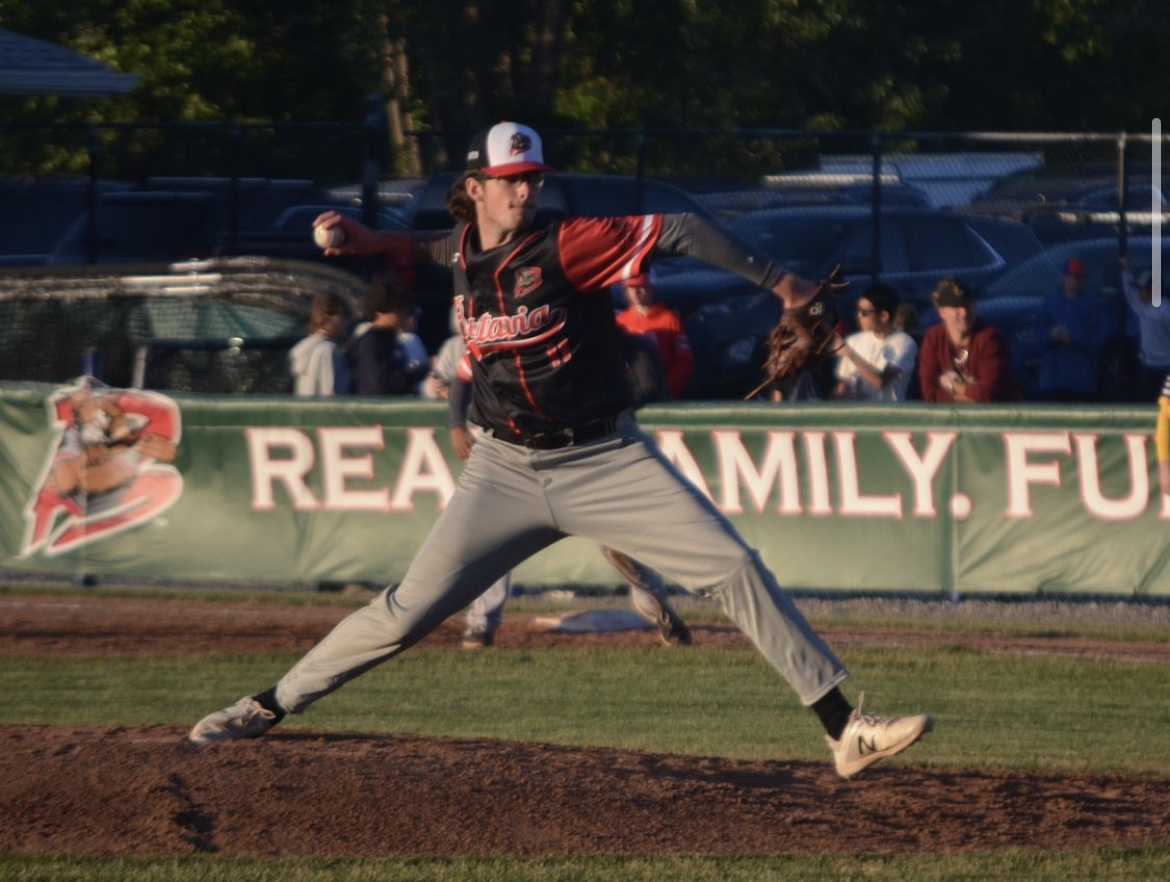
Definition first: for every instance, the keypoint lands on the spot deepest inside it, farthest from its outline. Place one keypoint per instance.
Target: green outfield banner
(1030, 499)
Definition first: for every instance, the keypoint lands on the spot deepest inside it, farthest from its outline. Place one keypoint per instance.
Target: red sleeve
(597, 252)
(930, 367)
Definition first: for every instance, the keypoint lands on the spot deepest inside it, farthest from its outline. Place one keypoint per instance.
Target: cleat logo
(865, 748)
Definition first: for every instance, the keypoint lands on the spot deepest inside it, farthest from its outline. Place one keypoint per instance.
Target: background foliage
(456, 65)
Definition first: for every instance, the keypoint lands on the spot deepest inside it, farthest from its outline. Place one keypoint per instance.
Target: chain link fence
(902, 208)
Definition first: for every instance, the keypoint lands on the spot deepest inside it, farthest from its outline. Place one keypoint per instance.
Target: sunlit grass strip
(1148, 865)
(991, 711)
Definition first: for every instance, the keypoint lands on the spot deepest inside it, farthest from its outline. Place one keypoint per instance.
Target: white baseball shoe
(247, 718)
(867, 739)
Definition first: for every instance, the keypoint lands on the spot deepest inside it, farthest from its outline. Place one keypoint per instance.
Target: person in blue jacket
(1073, 325)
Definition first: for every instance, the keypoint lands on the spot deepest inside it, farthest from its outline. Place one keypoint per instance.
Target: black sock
(834, 712)
(267, 700)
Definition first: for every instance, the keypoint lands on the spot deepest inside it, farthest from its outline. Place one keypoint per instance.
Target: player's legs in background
(483, 617)
(649, 597)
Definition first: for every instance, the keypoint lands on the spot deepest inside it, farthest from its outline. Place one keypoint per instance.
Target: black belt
(567, 436)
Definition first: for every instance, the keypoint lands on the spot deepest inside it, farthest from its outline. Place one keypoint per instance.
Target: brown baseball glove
(802, 333)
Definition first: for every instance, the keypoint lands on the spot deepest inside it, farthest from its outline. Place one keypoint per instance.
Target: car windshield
(798, 243)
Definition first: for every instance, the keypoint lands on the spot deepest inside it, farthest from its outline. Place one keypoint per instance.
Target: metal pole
(1156, 210)
(640, 172)
(236, 137)
(875, 245)
(1122, 195)
(372, 169)
(91, 200)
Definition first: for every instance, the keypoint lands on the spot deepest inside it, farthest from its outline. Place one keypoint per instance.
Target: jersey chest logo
(528, 279)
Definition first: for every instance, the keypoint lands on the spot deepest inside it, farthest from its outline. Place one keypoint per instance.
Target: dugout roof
(34, 67)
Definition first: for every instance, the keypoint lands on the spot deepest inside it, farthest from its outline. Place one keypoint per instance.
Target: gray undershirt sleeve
(691, 235)
(458, 401)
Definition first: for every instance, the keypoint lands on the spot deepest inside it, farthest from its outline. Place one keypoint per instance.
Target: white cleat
(244, 719)
(867, 739)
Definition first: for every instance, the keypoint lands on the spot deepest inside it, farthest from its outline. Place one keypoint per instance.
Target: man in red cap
(1073, 326)
(645, 315)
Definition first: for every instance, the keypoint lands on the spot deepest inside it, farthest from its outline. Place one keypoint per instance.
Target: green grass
(1124, 866)
(991, 711)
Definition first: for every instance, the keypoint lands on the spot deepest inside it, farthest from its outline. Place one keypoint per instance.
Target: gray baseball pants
(512, 502)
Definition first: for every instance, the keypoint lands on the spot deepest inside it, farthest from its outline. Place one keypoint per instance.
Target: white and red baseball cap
(507, 148)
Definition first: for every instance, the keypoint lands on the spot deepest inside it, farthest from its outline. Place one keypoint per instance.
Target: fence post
(1122, 195)
(875, 244)
(640, 171)
(1118, 375)
(372, 170)
(91, 200)
(235, 138)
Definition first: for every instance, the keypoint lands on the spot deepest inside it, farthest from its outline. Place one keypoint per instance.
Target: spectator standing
(418, 360)
(317, 363)
(963, 358)
(906, 320)
(645, 315)
(443, 367)
(877, 362)
(1162, 436)
(1153, 330)
(382, 363)
(1074, 327)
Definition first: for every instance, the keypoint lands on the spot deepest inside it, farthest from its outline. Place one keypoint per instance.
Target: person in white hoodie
(317, 363)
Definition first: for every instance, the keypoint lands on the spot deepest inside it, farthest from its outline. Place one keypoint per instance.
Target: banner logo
(110, 470)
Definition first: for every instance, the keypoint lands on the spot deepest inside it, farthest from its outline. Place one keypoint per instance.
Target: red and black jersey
(538, 320)
(543, 348)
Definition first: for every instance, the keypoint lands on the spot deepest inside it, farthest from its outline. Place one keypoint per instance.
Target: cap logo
(521, 143)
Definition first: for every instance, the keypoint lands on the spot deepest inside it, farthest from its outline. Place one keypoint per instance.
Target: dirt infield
(142, 790)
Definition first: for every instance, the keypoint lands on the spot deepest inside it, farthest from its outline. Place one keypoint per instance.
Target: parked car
(1012, 302)
(291, 236)
(35, 214)
(142, 226)
(729, 319)
(179, 218)
(1063, 205)
(728, 204)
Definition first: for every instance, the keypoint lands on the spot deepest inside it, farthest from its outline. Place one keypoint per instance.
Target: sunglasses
(532, 179)
(865, 313)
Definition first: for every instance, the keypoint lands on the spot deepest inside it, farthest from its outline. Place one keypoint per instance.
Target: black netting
(222, 326)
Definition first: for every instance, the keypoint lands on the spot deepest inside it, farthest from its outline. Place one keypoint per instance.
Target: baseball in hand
(328, 237)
